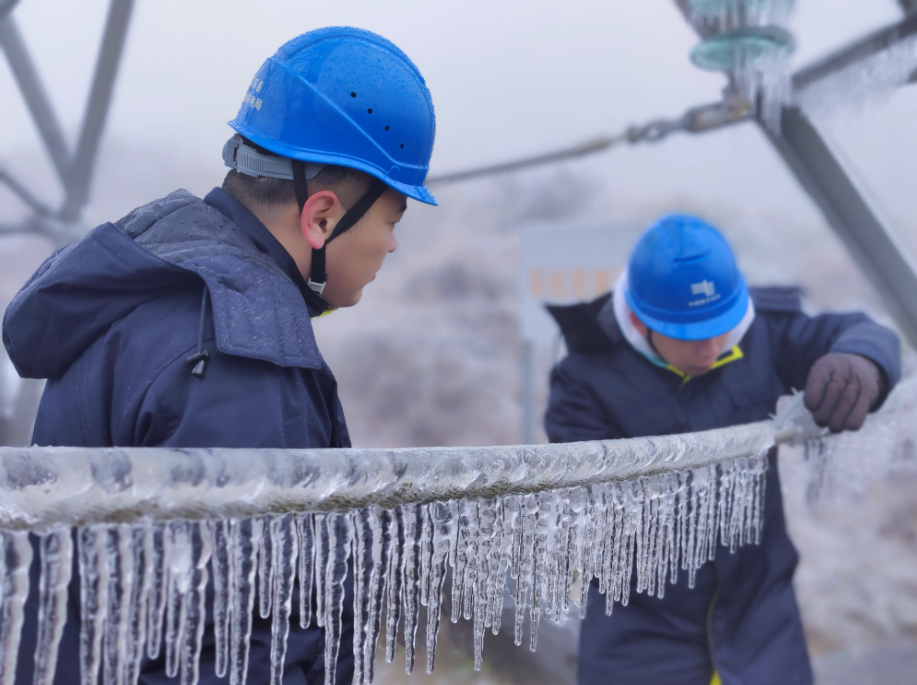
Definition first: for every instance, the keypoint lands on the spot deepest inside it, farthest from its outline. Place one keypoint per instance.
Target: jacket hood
(166, 246)
(581, 326)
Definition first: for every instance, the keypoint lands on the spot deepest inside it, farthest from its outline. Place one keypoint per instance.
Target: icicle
(304, 527)
(56, 569)
(465, 513)
(285, 549)
(381, 521)
(629, 520)
(606, 545)
(362, 587)
(222, 573)
(546, 503)
(524, 543)
(483, 557)
(93, 600)
(265, 568)
(589, 543)
(395, 541)
(155, 552)
(246, 538)
(471, 557)
(668, 538)
(508, 518)
(443, 526)
(645, 493)
(682, 523)
(496, 569)
(193, 610)
(17, 558)
(340, 536)
(178, 563)
(555, 562)
(426, 554)
(726, 479)
(574, 557)
(495, 562)
(322, 554)
(138, 600)
(116, 657)
(413, 522)
(757, 521)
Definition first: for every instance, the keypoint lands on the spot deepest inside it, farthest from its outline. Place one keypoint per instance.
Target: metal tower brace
(844, 204)
(75, 172)
(850, 213)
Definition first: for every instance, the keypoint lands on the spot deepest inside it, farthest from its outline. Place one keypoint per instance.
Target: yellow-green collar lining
(733, 355)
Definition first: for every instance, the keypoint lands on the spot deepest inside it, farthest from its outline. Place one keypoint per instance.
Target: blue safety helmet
(347, 97)
(683, 281)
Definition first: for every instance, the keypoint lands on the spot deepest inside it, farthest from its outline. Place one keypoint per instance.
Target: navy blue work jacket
(111, 322)
(741, 619)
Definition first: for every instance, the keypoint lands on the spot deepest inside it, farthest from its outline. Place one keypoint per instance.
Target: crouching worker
(188, 322)
(680, 346)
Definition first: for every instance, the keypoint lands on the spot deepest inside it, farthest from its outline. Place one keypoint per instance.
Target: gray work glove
(841, 389)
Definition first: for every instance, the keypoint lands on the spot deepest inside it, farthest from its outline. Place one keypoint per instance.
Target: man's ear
(638, 324)
(320, 215)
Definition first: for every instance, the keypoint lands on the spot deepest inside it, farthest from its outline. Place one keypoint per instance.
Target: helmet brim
(694, 330)
(416, 192)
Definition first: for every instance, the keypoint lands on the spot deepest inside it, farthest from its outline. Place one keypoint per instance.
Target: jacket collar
(616, 314)
(267, 244)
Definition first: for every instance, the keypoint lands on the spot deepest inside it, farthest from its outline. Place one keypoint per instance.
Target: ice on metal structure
(862, 82)
(731, 14)
(153, 527)
(843, 465)
(748, 41)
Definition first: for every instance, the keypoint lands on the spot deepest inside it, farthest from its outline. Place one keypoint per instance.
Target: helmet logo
(705, 288)
(251, 98)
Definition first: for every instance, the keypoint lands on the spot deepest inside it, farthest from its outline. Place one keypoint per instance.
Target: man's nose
(392, 243)
(707, 348)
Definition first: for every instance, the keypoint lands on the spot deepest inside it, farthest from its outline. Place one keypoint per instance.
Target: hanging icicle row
(137, 602)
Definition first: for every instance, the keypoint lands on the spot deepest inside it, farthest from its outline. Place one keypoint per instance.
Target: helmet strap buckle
(317, 288)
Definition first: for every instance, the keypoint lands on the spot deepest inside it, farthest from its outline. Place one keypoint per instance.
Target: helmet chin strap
(318, 277)
(649, 341)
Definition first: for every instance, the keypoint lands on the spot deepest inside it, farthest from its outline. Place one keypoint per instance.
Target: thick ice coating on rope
(554, 518)
(539, 538)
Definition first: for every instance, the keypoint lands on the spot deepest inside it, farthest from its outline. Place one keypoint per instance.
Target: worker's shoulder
(777, 299)
(164, 326)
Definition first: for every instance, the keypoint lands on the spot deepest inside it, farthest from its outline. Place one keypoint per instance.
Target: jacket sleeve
(802, 339)
(574, 413)
(238, 403)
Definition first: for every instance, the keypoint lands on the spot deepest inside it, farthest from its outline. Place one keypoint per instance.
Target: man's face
(693, 357)
(354, 257)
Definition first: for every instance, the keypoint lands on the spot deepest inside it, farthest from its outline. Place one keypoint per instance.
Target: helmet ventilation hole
(369, 111)
(387, 128)
(353, 95)
(402, 146)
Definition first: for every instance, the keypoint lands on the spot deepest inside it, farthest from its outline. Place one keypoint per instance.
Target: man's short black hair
(277, 193)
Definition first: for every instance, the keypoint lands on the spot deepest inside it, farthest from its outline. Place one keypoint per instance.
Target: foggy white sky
(508, 78)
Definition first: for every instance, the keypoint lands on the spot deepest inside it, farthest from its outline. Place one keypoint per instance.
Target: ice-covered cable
(153, 527)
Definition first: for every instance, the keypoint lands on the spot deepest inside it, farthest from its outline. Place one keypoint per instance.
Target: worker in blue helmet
(188, 323)
(681, 345)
